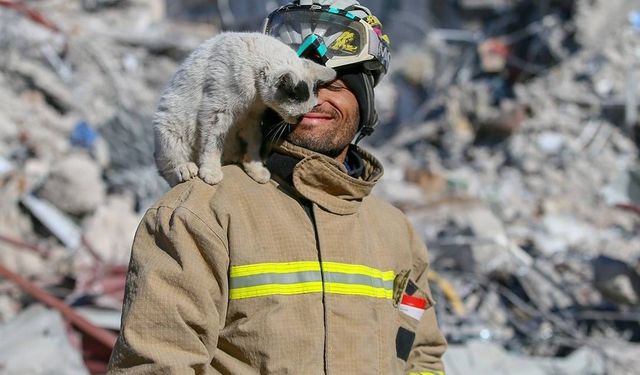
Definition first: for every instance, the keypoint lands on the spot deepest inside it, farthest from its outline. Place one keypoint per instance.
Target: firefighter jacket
(301, 275)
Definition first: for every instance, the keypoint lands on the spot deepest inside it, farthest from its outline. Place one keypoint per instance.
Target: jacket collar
(323, 180)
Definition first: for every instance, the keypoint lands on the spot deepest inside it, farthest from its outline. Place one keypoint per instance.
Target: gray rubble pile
(78, 83)
(526, 189)
(509, 136)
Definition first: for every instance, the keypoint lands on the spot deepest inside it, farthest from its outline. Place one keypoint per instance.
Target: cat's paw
(210, 176)
(186, 171)
(259, 173)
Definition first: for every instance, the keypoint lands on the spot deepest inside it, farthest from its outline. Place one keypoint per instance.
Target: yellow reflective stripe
(357, 269)
(355, 284)
(427, 373)
(273, 289)
(358, 290)
(285, 267)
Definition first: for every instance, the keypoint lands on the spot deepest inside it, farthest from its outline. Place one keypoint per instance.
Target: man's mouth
(313, 119)
(317, 118)
(317, 115)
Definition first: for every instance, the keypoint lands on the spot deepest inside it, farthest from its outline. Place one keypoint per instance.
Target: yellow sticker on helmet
(375, 23)
(345, 42)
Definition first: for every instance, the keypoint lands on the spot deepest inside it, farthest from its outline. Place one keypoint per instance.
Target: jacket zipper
(308, 206)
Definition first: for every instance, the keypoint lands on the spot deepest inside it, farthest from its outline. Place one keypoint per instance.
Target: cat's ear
(286, 82)
(320, 72)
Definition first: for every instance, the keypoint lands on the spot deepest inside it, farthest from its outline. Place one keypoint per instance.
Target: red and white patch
(413, 306)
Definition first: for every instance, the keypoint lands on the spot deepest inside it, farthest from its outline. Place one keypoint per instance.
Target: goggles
(331, 36)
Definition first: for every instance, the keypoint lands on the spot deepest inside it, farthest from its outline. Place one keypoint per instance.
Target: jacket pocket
(411, 301)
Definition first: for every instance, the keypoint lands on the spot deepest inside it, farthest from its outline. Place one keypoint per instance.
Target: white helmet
(342, 34)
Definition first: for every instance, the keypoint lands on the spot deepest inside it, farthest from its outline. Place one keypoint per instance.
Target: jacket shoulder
(198, 196)
(386, 214)
(378, 204)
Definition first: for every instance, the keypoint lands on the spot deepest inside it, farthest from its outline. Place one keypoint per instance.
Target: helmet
(341, 34)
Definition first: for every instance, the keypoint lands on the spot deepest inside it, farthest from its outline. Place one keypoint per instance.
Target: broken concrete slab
(485, 358)
(618, 281)
(60, 225)
(75, 185)
(110, 230)
(35, 342)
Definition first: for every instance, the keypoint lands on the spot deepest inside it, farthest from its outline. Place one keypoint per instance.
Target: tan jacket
(241, 278)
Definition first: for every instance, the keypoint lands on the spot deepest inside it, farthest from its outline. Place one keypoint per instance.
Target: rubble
(484, 357)
(35, 342)
(524, 167)
(509, 134)
(74, 185)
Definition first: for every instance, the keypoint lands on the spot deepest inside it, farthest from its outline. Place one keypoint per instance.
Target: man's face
(332, 124)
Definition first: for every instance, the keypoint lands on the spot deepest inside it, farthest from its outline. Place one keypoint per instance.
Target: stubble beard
(329, 144)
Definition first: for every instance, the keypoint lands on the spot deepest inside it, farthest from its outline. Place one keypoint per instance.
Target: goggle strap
(314, 49)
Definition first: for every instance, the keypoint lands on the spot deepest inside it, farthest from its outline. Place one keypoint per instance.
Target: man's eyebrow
(336, 84)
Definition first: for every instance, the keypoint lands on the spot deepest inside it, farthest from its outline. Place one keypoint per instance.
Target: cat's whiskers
(284, 129)
(277, 131)
(273, 130)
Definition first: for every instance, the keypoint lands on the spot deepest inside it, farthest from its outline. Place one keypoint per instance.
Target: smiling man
(307, 274)
(333, 123)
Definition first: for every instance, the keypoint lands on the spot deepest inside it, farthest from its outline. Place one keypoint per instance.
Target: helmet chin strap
(371, 116)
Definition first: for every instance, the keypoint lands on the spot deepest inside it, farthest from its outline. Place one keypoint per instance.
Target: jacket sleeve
(429, 344)
(176, 296)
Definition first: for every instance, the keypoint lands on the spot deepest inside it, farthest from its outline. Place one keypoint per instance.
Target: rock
(35, 342)
(484, 358)
(75, 185)
(618, 281)
(551, 142)
(110, 230)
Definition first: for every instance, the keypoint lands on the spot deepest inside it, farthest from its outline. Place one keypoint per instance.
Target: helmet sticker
(346, 42)
(376, 25)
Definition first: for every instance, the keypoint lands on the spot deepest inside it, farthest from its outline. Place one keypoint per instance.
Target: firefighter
(307, 274)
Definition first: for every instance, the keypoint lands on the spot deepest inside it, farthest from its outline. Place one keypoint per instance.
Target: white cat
(221, 91)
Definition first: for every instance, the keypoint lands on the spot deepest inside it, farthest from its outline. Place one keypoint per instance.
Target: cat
(216, 99)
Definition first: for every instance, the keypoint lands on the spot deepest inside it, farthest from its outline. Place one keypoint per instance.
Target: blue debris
(634, 20)
(83, 135)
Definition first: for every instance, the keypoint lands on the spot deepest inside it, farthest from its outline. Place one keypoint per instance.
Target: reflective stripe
(287, 278)
(274, 289)
(357, 269)
(275, 278)
(427, 373)
(342, 278)
(358, 290)
(261, 268)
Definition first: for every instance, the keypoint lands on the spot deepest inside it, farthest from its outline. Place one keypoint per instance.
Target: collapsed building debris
(522, 181)
(509, 136)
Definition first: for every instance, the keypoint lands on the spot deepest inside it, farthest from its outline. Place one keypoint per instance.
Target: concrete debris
(509, 132)
(54, 220)
(75, 185)
(111, 228)
(35, 342)
(79, 83)
(617, 281)
(524, 146)
(478, 357)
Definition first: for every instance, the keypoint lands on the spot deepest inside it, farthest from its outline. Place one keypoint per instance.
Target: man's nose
(322, 96)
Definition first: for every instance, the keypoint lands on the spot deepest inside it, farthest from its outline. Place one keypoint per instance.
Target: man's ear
(319, 72)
